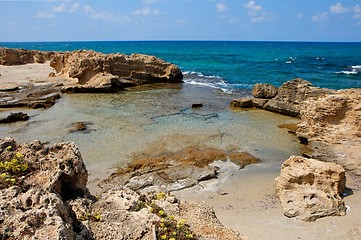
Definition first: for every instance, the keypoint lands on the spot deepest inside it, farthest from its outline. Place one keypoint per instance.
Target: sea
(235, 66)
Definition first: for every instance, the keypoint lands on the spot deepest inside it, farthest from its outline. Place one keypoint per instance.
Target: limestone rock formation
(310, 189)
(43, 195)
(291, 95)
(108, 72)
(9, 56)
(264, 90)
(287, 100)
(36, 182)
(332, 126)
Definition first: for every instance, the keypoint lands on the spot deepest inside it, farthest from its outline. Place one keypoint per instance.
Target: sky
(235, 20)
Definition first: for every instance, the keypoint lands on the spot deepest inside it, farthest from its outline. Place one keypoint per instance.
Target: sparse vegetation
(12, 168)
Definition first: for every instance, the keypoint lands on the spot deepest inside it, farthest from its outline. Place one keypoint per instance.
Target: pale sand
(251, 207)
(34, 73)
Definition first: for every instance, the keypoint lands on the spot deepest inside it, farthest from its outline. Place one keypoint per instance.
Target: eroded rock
(49, 200)
(291, 95)
(332, 127)
(310, 189)
(264, 90)
(110, 72)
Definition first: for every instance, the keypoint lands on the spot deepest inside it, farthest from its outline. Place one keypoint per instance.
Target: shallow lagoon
(156, 119)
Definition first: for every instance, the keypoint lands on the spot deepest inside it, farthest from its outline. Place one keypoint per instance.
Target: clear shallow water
(153, 121)
(237, 66)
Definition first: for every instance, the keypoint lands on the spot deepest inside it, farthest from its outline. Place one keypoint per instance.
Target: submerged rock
(311, 189)
(15, 117)
(174, 171)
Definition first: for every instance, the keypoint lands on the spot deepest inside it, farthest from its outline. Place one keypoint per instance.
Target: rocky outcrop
(109, 72)
(309, 189)
(174, 171)
(332, 127)
(36, 182)
(291, 95)
(77, 72)
(31, 96)
(264, 90)
(9, 56)
(43, 195)
(287, 100)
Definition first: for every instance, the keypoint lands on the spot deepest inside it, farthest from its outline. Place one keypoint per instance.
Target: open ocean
(237, 66)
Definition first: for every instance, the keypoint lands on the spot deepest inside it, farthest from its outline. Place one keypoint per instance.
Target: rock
(309, 189)
(15, 117)
(264, 90)
(242, 159)
(110, 72)
(31, 96)
(49, 200)
(9, 56)
(35, 207)
(78, 127)
(291, 96)
(331, 126)
(197, 105)
(174, 170)
(242, 103)
(259, 102)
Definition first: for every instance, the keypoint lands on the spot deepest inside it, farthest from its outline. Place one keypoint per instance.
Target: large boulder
(107, 72)
(310, 189)
(291, 96)
(332, 126)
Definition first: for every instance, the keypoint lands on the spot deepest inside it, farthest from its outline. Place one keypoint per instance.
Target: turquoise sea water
(236, 66)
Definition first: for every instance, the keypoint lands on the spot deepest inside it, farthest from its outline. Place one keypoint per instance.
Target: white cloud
(256, 12)
(67, 8)
(146, 11)
(102, 15)
(338, 9)
(321, 17)
(252, 6)
(221, 7)
(357, 10)
(44, 15)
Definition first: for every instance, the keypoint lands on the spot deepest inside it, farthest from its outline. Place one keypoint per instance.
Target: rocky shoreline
(44, 192)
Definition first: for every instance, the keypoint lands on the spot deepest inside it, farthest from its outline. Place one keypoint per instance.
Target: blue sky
(259, 20)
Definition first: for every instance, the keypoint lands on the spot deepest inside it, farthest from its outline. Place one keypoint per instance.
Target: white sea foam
(212, 81)
(353, 70)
